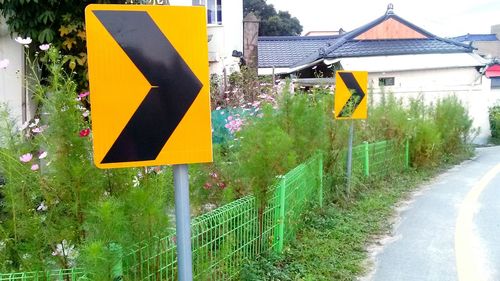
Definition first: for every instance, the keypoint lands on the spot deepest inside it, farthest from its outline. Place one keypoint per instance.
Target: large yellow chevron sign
(149, 88)
(351, 95)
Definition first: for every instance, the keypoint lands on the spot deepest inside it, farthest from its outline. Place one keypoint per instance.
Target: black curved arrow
(174, 87)
(356, 97)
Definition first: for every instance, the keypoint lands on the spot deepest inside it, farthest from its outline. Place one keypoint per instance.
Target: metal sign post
(163, 77)
(183, 223)
(349, 156)
(351, 103)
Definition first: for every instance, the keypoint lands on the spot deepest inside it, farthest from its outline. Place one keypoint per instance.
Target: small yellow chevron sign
(149, 88)
(351, 95)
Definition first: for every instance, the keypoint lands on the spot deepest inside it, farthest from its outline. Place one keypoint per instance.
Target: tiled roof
(284, 51)
(475, 37)
(363, 48)
(288, 52)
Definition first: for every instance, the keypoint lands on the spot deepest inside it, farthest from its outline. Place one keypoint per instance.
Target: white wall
(224, 38)
(466, 83)
(11, 78)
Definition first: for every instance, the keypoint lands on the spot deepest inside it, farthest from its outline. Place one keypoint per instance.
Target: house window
(214, 12)
(386, 81)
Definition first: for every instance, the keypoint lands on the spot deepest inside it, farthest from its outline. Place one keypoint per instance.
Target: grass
(333, 244)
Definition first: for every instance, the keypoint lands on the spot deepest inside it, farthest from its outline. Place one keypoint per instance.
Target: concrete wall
(466, 83)
(11, 78)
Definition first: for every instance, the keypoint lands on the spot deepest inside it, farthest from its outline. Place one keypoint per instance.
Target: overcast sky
(445, 18)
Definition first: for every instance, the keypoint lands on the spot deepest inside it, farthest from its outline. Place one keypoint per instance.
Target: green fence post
(321, 180)
(367, 159)
(407, 153)
(281, 215)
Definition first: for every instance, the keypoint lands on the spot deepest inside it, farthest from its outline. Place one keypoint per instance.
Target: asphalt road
(450, 230)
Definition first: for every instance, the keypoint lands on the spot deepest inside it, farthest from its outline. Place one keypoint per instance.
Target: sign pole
(349, 157)
(183, 223)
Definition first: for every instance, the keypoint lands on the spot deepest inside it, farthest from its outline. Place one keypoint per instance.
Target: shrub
(494, 117)
(454, 124)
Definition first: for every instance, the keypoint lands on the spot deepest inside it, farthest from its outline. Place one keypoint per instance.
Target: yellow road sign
(149, 85)
(351, 95)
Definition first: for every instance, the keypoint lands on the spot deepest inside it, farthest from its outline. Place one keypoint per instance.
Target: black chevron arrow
(174, 87)
(356, 96)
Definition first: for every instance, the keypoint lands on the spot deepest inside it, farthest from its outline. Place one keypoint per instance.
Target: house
(487, 45)
(400, 57)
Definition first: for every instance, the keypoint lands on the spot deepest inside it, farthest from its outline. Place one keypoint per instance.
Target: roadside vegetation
(494, 118)
(59, 211)
(333, 245)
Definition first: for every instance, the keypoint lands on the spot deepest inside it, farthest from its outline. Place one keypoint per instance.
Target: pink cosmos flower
(25, 158)
(37, 130)
(44, 47)
(4, 63)
(35, 167)
(84, 94)
(234, 125)
(84, 132)
(207, 185)
(85, 113)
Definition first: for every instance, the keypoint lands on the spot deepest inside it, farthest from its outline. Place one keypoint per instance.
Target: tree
(58, 22)
(272, 23)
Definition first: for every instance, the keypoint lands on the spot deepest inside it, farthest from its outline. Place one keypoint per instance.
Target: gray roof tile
(284, 51)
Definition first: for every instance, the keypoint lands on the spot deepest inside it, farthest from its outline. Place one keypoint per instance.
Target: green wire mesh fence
(378, 159)
(74, 274)
(222, 240)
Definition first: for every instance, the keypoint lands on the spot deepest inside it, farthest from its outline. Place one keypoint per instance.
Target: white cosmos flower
(24, 41)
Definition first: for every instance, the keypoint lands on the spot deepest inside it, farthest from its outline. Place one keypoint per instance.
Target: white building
(225, 31)
(399, 56)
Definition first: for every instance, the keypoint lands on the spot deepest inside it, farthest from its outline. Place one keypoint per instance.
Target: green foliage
(305, 117)
(266, 152)
(453, 122)
(58, 210)
(494, 118)
(388, 120)
(332, 245)
(268, 267)
(272, 23)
